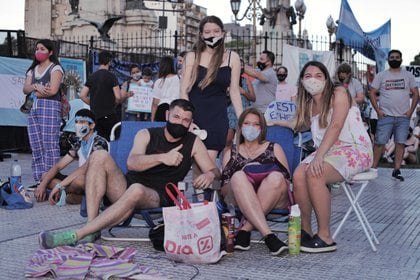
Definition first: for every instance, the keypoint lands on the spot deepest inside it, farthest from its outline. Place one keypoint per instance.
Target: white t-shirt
(394, 89)
(166, 89)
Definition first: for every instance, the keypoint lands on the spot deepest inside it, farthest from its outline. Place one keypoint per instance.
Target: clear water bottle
(16, 176)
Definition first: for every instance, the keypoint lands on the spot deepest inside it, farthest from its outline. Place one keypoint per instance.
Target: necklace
(250, 155)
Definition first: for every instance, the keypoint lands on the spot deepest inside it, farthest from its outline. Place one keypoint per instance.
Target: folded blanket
(89, 260)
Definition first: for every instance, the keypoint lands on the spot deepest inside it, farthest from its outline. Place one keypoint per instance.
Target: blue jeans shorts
(388, 125)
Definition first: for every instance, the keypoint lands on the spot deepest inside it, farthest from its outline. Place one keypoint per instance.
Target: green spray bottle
(294, 230)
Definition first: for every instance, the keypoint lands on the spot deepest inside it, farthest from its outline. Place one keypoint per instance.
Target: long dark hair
(50, 46)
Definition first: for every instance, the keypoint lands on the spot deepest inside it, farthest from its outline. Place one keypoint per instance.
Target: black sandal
(317, 245)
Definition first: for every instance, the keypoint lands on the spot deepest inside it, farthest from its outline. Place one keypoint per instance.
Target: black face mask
(281, 77)
(394, 63)
(261, 65)
(176, 130)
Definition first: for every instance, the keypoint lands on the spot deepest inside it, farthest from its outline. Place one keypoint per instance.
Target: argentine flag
(374, 44)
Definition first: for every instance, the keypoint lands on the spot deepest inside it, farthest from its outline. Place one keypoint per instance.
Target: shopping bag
(192, 230)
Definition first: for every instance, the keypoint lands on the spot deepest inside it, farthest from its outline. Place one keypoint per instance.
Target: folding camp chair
(284, 137)
(362, 179)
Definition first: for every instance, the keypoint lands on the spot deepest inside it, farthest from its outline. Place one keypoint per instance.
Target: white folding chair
(362, 179)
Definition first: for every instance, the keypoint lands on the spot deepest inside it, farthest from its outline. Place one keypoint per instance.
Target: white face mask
(81, 130)
(250, 133)
(136, 76)
(313, 86)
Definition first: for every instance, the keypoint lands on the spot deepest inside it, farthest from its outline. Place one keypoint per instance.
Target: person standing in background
(102, 93)
(165, 90)
(265, 82)
(394, 86)
(135, 76)
(353, 86)
(146, 81)
(43, 79)
(285, 91)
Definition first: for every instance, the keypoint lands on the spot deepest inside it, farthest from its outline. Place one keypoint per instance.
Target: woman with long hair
(43, 79)
(343, 149)
(208, 72)
(165, 90)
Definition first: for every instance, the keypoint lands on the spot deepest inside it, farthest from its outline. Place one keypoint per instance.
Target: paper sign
(280, 110)
(142, 99)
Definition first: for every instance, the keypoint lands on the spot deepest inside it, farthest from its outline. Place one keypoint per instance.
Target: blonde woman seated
(256, 176)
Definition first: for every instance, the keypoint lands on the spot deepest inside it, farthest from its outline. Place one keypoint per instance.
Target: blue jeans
(389, 125)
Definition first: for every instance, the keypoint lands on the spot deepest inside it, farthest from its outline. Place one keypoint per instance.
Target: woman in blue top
(207, 74)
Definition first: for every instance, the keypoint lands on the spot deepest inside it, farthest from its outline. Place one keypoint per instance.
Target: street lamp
(300, 12)
(254, 11)
(332, 28)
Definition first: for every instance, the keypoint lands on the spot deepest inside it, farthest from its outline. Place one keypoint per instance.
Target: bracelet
(59, 186)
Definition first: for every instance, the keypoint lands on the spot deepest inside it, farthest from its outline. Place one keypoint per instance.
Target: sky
(370, 14)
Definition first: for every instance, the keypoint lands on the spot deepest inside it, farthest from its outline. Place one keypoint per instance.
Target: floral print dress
(352, 152)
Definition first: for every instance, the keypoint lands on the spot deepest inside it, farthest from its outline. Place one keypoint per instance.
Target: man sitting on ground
(74, 184)
(158, 156)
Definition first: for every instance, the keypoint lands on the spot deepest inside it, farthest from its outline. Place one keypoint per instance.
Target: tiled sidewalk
(392, 207)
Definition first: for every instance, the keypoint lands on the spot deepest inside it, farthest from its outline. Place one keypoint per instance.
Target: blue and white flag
(374, 45)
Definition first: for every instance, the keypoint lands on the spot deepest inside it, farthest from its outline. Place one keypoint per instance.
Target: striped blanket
(88, 261)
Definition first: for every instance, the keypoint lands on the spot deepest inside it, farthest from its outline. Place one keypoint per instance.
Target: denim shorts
(388, 125)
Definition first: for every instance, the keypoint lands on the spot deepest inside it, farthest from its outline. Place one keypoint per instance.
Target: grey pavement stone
(392, 207)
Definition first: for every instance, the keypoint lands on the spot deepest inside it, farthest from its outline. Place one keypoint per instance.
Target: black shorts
(164, 199)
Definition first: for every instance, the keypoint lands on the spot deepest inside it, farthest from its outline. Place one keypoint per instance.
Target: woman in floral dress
(343, 149)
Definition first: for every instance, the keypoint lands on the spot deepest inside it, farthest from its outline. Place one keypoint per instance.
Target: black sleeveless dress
(211, 106)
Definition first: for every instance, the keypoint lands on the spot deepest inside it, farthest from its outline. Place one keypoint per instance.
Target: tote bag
(192, 230)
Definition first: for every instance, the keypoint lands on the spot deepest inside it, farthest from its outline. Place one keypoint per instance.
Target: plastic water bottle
(16, 176)
(294, 230)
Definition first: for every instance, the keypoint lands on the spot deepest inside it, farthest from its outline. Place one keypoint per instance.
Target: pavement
(392, 207)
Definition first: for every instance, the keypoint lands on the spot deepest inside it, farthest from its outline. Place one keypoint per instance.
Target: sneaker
(317, 245)
(243, 240)
(49, 240)
(91, 238)
(275, 245)
(32, 188)
(397, 175)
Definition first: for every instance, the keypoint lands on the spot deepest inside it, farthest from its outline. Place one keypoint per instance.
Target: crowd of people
(211, 88)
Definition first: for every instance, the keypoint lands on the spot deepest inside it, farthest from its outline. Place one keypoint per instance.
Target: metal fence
(149, 47)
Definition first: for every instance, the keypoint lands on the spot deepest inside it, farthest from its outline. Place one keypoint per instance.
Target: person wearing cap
(82, 146)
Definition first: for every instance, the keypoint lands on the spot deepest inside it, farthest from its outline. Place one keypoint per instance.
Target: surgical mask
(176, 130)
(213, 42)
(281, 77)
(250, 133)
(394, 63)
(81, 130)
(136, 76)
(313, 86)
(41, 56)
(261, 65)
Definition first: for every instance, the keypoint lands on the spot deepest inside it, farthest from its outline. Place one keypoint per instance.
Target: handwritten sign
(280, 110)
(142, 99)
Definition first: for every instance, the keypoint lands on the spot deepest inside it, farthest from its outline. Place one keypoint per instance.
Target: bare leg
(377, 153)
(136, 196)
(103, 177)
(399, 152)
(321, 199)
(301, 194)
(256, 206)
